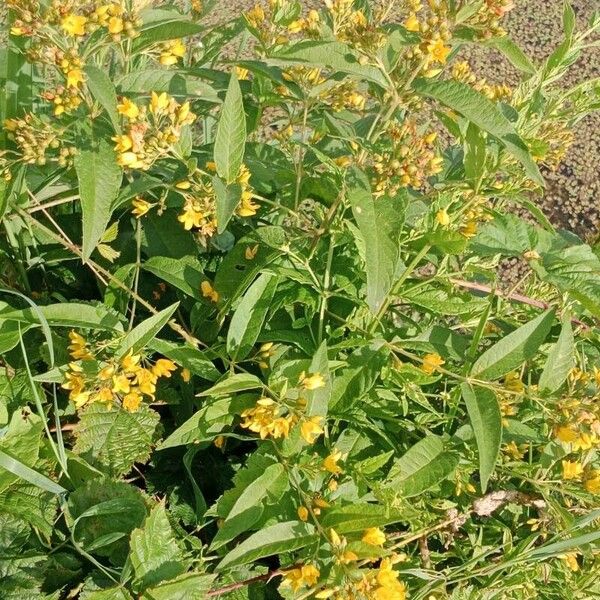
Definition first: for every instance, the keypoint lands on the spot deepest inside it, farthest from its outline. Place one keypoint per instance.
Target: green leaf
(475, 152)
(10, 334)
(249, 317)
(558, 548)
(228, 198)
(184, 273)
(192, 586)
(187, 357)
(247, 510)
(160, 25)
(275, 539)
(72, 314)
(103, 91)
(155, 554)
(513, 53)
(360, 516)
(560, 361)
(381, 252)
(514, 349)
(113, 440)
(424, 465)
(236, 383)
(231, 133)
(486, 420)
(482, 112)
(146, 331)
(99, 178)
(22, 471)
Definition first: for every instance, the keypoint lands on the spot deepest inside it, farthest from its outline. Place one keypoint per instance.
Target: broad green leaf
(275, 539)
(113, 593)
(482, 112)
(236, 383)
(228, 198)
(155, 554)
(160, 25)
(248, 508)
(486, 420)
(560, 361)
(360, 516)
(10, 334)
(231, 133)
(188, 357)
(513, 53)
(249, 317)
(99, 178)
(381, 252)
(424, 465)
(113, 440)
(146, 331)
(514, 349)
(475, 152)
(103, 91)
(191, 586)
(72, 314)
(103, 508)
(185, 273)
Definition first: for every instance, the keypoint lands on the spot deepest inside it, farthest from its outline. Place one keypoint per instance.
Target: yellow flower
(159, 103)
(331, 463)
(17, 31)
(75, 77)
(241, 73)
(311, 429)
(570, 559)
(438, 51)
(592, 482)
(512, 381)
(172, 51)
(132, 401)
(412, 23)
(121, 385)
(128, 109)
(219, 441)
(389, 586)
(78, 347)
(373, 536)
(442, 217)
(104, 395)
(469, 229)
(130, 363)
(303, 513)
(186, 375)
(146, 381)
(115, 25)
(164, 367)
(130, 159)
(190, 217)
(123, 143)
(571, 470)
(208, 291)
(74, 24)
(304, 576)
(431, 362)
(312, 382)
(140, 207)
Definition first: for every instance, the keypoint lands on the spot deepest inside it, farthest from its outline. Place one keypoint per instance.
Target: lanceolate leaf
(484, 113)
(185, 273)
(560, 361)
(99, 178)
(381, 252)
(514, 349)
(228, 198)
(486, 420)
(103, 90)
(231, 133)
(276, 539)
(141, 335)
(421, 467)
(249, 317)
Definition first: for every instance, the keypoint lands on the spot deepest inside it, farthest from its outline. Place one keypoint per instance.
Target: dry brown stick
(479, 287)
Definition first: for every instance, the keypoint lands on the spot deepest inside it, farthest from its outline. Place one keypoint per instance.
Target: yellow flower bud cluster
(38, 141)
(308, 25)
(551, 143)
(344, 96)
(151, 131)
(116, 19)
(96, 376)
(266, 23)
(461, 71)
(407, 161)
(352, 26)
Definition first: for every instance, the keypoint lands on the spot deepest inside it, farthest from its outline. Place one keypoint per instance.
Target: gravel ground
(573, 191)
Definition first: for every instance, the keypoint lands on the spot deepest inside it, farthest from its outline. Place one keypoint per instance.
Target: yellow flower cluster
(409, 159)
(487, 19)
(300, 577)
(351, 25)
(431, 363)
(125, 382)
(344, 96)
(461, 71)
(265, 25)
(552, 141)
(309, 24)
(171, 52)
(151, 131)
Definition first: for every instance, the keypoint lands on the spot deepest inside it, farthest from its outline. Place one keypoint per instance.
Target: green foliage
(257, 334)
